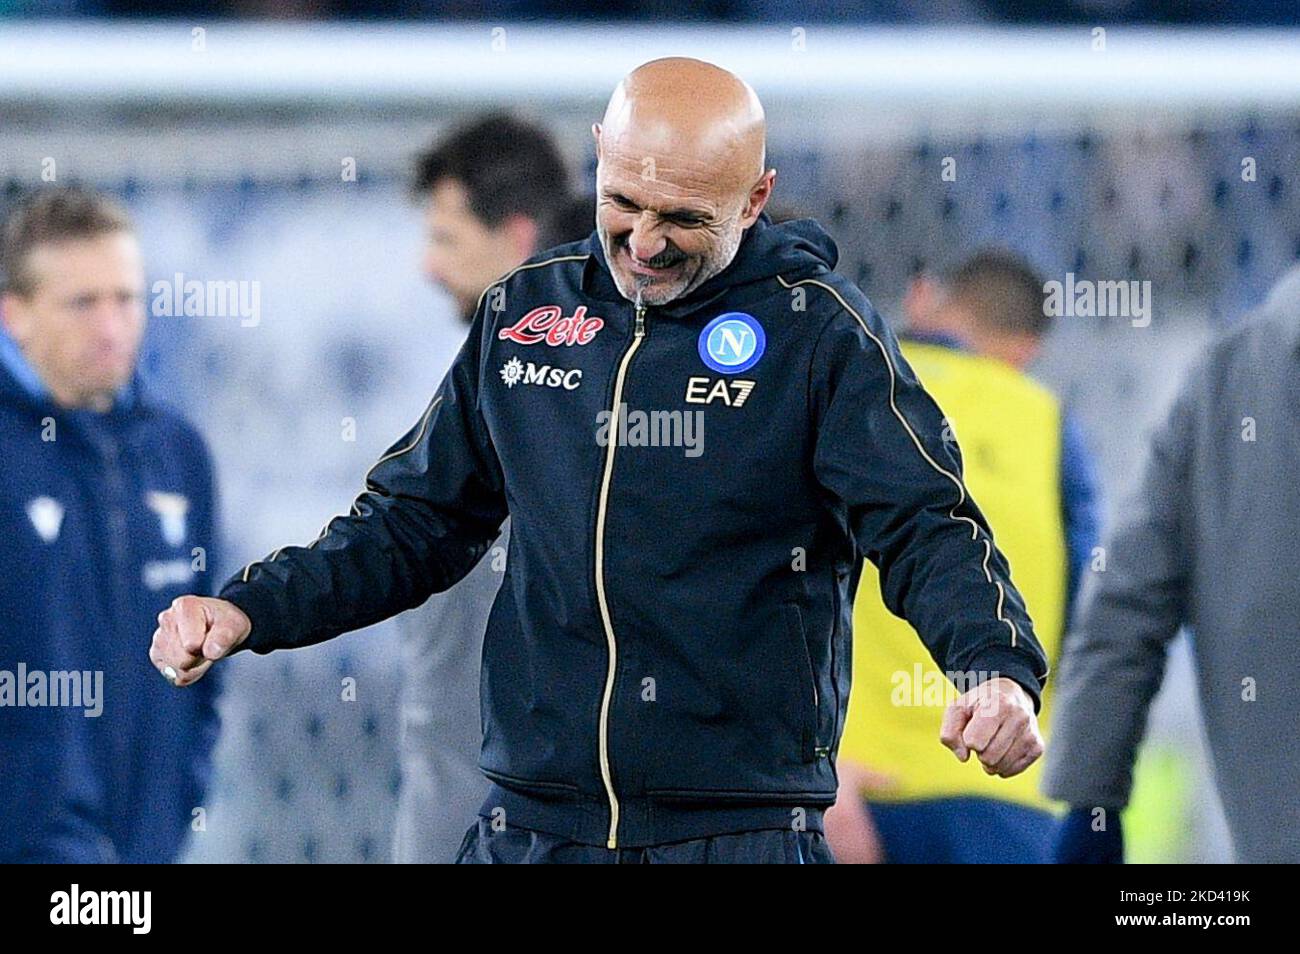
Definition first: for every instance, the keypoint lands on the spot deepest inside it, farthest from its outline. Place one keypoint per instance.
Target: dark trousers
(485, 845)
(958, 831)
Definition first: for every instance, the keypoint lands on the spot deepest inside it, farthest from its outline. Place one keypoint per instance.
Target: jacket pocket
(808, 699)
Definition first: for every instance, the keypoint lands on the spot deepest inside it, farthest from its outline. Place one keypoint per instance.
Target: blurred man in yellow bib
(903, 797)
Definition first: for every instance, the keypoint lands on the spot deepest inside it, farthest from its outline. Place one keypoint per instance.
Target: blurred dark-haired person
(106, 516)
(494, 191)
(1206, 540)
(902, 797)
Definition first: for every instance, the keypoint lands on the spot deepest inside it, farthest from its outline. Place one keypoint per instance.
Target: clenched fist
(996, 721)
(193, 633)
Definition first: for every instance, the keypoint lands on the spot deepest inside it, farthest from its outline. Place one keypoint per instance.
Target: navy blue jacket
(668, 656)
(100, 515)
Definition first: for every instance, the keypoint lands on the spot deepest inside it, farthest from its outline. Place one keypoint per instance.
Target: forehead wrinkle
(681, 182)
(717, 140)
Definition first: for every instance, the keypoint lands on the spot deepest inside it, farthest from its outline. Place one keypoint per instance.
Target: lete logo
(546, 324)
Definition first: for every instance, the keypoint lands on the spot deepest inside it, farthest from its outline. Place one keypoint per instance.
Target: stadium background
(230, 140)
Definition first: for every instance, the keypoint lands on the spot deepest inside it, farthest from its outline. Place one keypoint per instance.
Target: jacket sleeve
(886, 451)
(1114, 660)
(432, 505)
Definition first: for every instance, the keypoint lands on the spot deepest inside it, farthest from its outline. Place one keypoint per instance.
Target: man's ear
(758, 197)
(13, 316)
(524, 235)
(921, 300)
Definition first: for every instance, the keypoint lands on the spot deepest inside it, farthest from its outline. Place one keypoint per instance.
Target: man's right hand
(193, 633)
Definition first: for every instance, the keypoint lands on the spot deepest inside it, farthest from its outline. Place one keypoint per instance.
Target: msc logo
(515, 372)
(706, 391)
(732, 343)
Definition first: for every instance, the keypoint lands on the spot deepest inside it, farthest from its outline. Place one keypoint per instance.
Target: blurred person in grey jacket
(493, 191)
(1209, 541)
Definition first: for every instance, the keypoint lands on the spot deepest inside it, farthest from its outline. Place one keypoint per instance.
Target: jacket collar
(19, 371)
(938, 338)
(22, 384)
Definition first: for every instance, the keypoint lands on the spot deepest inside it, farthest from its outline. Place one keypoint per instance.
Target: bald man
(697, 429)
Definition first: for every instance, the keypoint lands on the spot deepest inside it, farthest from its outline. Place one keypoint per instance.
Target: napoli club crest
(732, 343)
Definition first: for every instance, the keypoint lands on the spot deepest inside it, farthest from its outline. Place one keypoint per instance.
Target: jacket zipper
(612, 841)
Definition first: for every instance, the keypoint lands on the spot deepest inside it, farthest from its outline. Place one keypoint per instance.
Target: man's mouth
(663, 264)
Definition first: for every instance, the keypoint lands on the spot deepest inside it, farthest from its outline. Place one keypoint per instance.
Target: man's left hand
(996, 721)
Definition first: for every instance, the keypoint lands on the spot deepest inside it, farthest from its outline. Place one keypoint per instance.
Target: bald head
(680, 177)
(684, 107)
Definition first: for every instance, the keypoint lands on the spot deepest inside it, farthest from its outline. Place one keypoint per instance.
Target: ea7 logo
(706, 391)
(515, 372)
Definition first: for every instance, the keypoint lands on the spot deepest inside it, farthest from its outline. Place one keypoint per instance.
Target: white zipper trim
(612, 841)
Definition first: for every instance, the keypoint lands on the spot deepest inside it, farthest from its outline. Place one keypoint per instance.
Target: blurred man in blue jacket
(106, 515)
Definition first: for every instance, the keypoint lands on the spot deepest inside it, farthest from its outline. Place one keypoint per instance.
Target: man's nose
(115, 321)
(647, 239)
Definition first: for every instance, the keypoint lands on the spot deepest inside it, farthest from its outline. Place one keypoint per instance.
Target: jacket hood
(766, 250)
